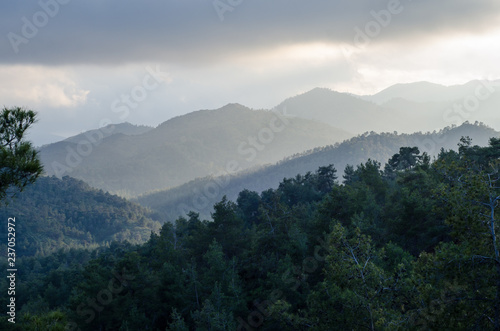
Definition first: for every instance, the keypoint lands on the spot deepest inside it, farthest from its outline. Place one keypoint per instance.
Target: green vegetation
(412, 246)
(201, 194)
(19, 164)
(54, 214)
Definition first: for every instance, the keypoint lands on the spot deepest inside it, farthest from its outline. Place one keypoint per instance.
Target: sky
(85, 64)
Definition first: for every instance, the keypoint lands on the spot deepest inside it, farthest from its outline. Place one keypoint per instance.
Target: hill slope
(199, 195)
(186, 147)
(340, 110)
(53, 214)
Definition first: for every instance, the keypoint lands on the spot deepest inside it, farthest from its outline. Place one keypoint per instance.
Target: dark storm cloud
(191, 31)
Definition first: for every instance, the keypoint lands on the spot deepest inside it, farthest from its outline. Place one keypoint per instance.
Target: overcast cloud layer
(118, 31)
(72, 60)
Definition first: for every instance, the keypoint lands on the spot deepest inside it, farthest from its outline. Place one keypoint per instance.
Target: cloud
(74, 58)
(40, 87)
(453, 60)
(191, 32)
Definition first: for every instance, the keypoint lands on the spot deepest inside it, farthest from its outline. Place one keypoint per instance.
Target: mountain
(418, 92)
(340, 110)
(429, 92)
(420, 106)
(198, 144)
(199, 195)
(427, 106)
(412, 245)
(406, 115)
(131, 161)
(122, 128)
(54, 213)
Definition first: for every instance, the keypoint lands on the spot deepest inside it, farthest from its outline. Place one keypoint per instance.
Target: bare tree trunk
(193, 276)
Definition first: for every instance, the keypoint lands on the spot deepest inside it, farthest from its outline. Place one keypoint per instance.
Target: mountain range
(190, 162)
(126, 128)
(201, 194)
(407, 108)
(431, 92)
(134, 160)
(198, 144)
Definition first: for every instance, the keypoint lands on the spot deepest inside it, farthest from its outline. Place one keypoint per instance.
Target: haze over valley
(133, 160)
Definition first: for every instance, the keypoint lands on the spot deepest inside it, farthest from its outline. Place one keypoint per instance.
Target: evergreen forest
(406, 245)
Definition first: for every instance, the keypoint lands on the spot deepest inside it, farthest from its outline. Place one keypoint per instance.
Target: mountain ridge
(401, 107)
(194, 195)
(66, 213)
(186, 147)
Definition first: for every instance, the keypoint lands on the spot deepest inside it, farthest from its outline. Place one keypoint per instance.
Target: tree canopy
(413, 249)
(19, 163)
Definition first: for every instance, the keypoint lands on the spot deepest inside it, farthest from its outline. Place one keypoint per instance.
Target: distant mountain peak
(194, 145)
(421, 83)
(124, 128)
(233, 106)
(424, 91)
(321, 91)
(230, 107)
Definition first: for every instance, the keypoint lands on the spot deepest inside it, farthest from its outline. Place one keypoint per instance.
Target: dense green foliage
(412, 246)
(19, 163)
(52, 214)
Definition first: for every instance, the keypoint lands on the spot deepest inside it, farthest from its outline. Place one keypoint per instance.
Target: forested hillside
(409, 245)
(53, 214)
(200, 195)
(186, 147)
